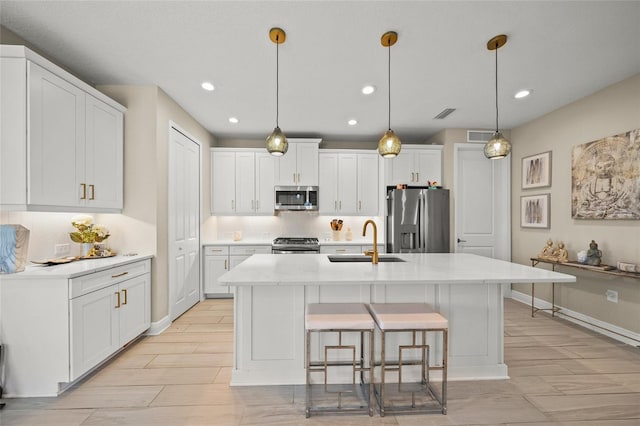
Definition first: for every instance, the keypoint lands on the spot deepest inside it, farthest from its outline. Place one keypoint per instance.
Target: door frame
(170, 230)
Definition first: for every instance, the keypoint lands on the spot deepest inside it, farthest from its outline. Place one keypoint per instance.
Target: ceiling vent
(444, 113)
(479, 136)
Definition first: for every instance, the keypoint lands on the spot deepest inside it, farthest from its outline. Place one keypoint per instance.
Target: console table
(604, 269)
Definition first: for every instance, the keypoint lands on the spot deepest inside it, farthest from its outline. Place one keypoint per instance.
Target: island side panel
(476, 314)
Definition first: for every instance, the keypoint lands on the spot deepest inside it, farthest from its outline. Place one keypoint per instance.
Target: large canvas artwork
(605, 178)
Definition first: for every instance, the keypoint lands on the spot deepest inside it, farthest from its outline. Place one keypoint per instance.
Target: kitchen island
(271, 292)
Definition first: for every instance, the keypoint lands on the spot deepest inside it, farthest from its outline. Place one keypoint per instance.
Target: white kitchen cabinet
(415, 165)
(299, 166)
(61, 145)
(242, 182)
(348, 248)
(62, 323)
(216, 263)
(223, 184)
(219, 259)
(348, 183)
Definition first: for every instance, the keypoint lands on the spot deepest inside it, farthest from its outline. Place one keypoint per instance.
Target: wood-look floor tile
(204, 328)
(153, 376)
(44, 417)
(589, 407)
(191, 360)
(214, 348)
(211, 337)
(164, 348)
(224, 375)
(538, 353)
(107, 396)
(493, 410)
(587, 384)
(218, 415)
(131, 360)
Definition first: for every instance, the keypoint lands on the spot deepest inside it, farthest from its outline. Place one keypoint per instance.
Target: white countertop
(436, 268)
(74, 269)
(357, 241)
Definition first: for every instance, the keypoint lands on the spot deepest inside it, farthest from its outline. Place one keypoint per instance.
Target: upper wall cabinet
(348, 183)
(61, 143)
(299, 166)
(242, 181)
(415, 165)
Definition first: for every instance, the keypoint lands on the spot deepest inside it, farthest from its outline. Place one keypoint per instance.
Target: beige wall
(611, 111)
(144, 219)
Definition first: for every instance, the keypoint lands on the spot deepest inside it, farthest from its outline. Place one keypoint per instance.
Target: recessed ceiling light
(352, 122)
(233, 120)
(522, 94)
(208, 86)
(367, 90)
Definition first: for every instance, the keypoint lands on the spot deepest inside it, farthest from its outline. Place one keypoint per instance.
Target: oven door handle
(279, 251)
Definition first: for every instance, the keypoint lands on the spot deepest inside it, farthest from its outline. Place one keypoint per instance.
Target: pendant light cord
(389, 81)
(497, 47)
(277, 77)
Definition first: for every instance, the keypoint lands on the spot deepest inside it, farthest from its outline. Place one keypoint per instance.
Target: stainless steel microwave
(296, 198)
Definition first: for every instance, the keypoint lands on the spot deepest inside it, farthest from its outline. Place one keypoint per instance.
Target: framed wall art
(536, 171)
(534, 211)
(605, 178)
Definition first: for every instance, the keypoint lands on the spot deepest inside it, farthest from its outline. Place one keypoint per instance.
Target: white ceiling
(563, 51)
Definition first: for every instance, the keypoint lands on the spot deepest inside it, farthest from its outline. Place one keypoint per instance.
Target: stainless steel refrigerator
(417, 221)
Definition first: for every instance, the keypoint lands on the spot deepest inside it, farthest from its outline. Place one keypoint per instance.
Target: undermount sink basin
(361, 258)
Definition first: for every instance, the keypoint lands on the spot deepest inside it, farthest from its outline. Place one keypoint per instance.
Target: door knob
(461, 241)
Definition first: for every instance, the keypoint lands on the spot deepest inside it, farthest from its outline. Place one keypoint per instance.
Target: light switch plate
(61, 249)
(612, 296)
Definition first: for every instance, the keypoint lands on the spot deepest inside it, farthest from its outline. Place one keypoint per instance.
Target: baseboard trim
(158, 326)
(613, 331)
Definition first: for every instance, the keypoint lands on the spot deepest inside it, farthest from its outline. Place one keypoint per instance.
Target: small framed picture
(536, 171)
(534, 211)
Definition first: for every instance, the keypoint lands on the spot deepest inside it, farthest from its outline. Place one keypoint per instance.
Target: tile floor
(561, 374)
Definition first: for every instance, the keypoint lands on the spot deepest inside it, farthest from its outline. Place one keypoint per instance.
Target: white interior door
(482, 207)
(184, 222)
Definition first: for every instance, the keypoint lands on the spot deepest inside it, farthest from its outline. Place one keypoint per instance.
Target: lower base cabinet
(219, 259)
(57, 329)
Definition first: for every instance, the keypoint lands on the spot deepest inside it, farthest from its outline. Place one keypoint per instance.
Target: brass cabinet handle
(233, 204)
(225, 264)
(294, 177)
(340, 250)
(93, 192)
(412, 176)
(120, 274)
(335, 205)
(253, 205)
(257, 204)
(298, 177)
(360, 205)
(118, 298)
(84, 191)
(417, 176)
(124, 292)
(340, 205)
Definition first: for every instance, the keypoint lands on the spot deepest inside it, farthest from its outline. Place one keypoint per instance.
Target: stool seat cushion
(407, 316)
(338, 316)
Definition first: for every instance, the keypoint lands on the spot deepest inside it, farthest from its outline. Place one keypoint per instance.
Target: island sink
(361, 258)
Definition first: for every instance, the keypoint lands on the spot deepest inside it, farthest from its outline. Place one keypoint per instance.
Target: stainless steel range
(295, 245)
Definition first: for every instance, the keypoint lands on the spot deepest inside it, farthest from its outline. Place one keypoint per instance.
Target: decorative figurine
(593, 254)
(560, 254)
(547, 251)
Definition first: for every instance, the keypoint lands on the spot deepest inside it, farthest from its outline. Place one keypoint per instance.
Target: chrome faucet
(373, 253)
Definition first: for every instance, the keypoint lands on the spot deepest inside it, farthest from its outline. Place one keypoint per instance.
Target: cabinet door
(368, 188)
(56, 140)
(348, 183)
(401, 168)
(223, 185)
(428, 166)
(286, 165)
(104, 157)
(328, 188)
(94, 329)
(307, 163)
(245, 182)
(214, 267)
(135, 307)
(265, 182)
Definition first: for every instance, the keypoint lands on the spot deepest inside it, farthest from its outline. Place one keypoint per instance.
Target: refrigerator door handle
(422, 225)
(461, 241)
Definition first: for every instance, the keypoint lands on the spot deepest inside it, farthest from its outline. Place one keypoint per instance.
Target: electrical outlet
(612, 296)
(61, 249)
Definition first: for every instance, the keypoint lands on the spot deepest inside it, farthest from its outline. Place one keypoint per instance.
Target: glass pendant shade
(497, 147)
(277, 143)
(389, 145)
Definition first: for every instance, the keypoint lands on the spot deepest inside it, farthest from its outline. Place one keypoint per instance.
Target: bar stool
(415, 318)
(341, 318)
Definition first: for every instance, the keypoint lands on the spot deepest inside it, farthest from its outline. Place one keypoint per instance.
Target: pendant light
(498, 146)
(389, 145)
(277, 144)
